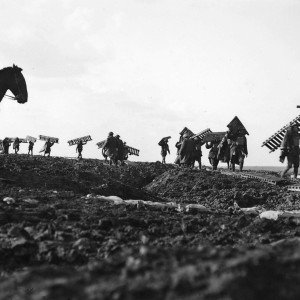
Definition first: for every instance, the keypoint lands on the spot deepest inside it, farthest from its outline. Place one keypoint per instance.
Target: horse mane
(14, 66)
(6, 68)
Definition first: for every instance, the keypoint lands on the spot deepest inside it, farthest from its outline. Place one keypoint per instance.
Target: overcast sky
(145, 69)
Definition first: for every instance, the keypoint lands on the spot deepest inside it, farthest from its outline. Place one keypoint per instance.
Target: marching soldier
(213, 153)
(16, 145)
(164, 149)
(290, 149)
(48, 146)
(30, 147)
(241, 149)
(120, 152)
(6, 144)
(79, 148)
(126, 151)
(111, 147)
(197, 154)
(186, 151)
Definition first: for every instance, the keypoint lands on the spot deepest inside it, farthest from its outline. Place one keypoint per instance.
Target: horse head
(17, 85)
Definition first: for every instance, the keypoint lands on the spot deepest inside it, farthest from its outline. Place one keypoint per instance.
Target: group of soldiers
(115, 149)
(16, 146)
(231, 149)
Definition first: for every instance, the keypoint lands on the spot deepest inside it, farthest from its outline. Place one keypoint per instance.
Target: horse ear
(16, 67)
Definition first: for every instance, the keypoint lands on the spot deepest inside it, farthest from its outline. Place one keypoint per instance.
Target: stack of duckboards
(31, 139)
(237, 126)
(214, 136)
(185, 130)
(274, 142)
(11, 140)
(133, 151)
(201, 135)
(164, 139)
(46, 138)
(100, 144)
(86, 138)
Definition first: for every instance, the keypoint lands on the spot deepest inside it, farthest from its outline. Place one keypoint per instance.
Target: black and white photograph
(149, 149)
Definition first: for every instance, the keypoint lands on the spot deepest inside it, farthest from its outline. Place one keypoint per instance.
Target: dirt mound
(85, 176)
(57, 242)
(218, 191)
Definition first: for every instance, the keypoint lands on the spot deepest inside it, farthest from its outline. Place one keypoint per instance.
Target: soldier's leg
(215, 163)
(241, 166)
(288, 167)
(295, 172)
(296, 164)
(232, 163)
(241, 161)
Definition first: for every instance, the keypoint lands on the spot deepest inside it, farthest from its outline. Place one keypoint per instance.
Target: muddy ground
(60, 240)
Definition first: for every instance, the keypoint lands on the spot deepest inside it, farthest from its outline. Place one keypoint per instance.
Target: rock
(270, 214)
(9, 200)
(105, 224)
(24, 248)
(20, 232)
(196, 208)
(31, 201)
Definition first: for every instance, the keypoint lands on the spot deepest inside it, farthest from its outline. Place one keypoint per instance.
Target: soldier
(126, 151)
(177, 159)
(197, 154)
(48, 146)
(242, 149)
(79, 148)
(290, 149)
(16, 145)
(213, 153)
(186, 151)
(120, 153)
(30, 147)
(111, 147)
(224, 149)
(164, 149)
(6, 143)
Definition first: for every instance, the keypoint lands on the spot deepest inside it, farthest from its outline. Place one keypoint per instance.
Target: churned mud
(61, 240)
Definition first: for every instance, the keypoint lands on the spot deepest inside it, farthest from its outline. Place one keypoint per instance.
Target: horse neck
(3, 85)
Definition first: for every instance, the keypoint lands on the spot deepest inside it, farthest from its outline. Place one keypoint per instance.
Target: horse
(12, 79)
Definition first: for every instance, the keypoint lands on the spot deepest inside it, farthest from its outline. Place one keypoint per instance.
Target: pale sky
(145, 69)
